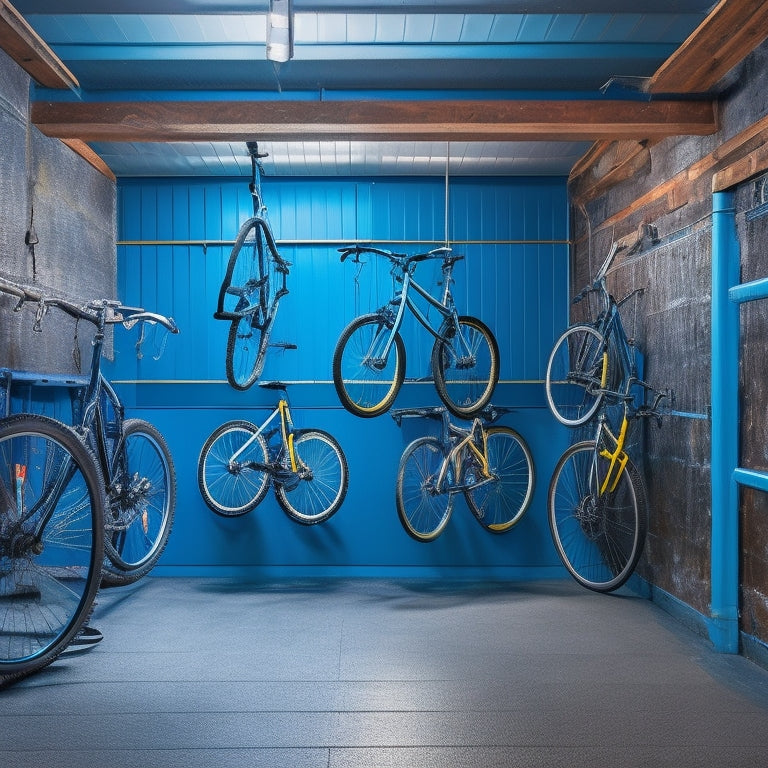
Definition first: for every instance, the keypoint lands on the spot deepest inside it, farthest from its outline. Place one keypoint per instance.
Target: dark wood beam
(373, 120)
(30, 52)
(82, 149)
(714, 48)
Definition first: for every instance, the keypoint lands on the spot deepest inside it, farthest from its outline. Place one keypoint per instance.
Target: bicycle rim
(575, 375)
(46, 588)
(246, 350)
(501, 502)
(142, 512)
(322, 469)
(466, 367)
(423, 511)
(366, 383)
(599, 538)
(233, 489)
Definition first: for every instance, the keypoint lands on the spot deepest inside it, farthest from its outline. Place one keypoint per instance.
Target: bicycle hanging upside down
(491, 466)
(253, 284)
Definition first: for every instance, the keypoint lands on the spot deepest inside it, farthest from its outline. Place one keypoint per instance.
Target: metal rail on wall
(727, 294)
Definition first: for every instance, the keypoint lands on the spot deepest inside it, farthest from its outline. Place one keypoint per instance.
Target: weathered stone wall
(668, 184)
(47, 189)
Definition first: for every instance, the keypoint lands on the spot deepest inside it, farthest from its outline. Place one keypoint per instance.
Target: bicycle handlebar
(489, 413)
(443, 252)
(96, 311)
(598, 284)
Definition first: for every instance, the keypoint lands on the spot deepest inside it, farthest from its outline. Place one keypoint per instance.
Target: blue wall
(174, 241)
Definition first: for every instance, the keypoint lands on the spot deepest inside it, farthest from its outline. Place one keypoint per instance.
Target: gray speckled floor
(197, 673)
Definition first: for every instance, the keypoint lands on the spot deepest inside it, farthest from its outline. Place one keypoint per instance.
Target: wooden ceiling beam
(731, 30)
(30, 52)
(373, 120)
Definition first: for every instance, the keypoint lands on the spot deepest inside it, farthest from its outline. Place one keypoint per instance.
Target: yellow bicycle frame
(618, 458)
(467, 442)
(285, 420)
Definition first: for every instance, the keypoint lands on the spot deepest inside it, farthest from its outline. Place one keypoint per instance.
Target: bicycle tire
(500, 503)
(246, 352)
(364, 389)
(47, 584)
(576, 372)
(324, 477)
(598, 540)
(247, 275)
(423, 512)
(466, 390)
(142, 511)
(228, 491)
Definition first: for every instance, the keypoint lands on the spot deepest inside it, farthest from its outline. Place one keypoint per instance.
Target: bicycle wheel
(245, 297)
(233, 486)
(500, 502)
(366, 382)
(51, 540)
(576, 372)
(322, 478)
(466, 367)
(599, 537)
(246, 351)
(142, 504)
(424, 512)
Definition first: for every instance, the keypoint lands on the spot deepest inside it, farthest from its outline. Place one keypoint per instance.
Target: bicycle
(52, 510)
(597, 502)
(591, 358)
(369, 358)
(306, 467)
(491, 466)
(253, 284)
(135, 462)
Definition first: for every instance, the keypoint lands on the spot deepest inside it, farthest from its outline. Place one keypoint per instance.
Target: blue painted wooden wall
(174, 240)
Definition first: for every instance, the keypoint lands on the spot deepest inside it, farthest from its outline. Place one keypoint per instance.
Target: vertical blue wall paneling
(513, 277)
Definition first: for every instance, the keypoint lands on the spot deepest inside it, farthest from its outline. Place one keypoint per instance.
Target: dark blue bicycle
(591, 359)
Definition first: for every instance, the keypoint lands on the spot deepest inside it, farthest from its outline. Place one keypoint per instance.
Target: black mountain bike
(52, 509)
(136, 465)
(591, 358)
(251, 290)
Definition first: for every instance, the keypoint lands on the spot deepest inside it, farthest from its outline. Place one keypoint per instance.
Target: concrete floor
(196, 673)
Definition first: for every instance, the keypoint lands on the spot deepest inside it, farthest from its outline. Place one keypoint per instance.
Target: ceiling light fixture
(280, 31)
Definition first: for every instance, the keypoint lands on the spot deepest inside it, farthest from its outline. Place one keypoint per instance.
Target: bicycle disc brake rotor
(129, 502)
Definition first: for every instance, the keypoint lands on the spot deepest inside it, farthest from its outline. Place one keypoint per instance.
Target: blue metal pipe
(723, 623)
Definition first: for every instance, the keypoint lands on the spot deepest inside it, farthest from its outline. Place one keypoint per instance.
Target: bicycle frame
(468, 442)
(89, 419)
(462, 442)
(618, 458)
(403, 272)
(609, 324)
(283, 411)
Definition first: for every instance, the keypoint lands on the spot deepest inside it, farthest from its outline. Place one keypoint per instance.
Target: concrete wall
(669, 185)
(47, 189)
